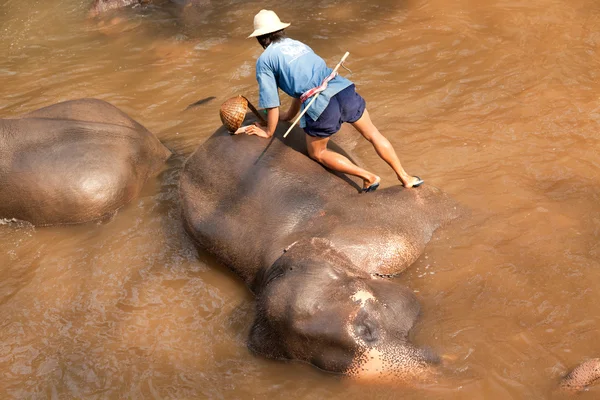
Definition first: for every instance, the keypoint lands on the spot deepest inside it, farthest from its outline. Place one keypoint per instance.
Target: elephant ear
(263, 339)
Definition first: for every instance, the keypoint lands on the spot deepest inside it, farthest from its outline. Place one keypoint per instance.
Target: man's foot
(372, 185)
(411, 181)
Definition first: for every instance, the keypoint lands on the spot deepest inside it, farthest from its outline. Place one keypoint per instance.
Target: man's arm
(269, 130)
(291, 113)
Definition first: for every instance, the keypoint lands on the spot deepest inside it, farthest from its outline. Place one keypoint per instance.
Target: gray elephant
(314, 250)
(74, 162)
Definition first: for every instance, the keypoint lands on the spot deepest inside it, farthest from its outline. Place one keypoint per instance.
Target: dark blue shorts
(345, 106)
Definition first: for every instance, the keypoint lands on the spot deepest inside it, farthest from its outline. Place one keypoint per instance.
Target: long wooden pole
(314, 97)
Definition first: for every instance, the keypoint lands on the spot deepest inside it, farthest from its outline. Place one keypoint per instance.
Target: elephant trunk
(582, 376)
(404, 363)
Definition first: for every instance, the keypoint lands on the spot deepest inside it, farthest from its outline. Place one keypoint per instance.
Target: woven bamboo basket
(233, 112)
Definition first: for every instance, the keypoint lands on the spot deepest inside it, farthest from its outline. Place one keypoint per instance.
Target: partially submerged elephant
(100, 7)
(74, 162)
(312, 249)
(584, 375)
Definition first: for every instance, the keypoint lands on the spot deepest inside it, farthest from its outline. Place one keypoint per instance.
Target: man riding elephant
(313, 250)
(327, 99)
(74, 162)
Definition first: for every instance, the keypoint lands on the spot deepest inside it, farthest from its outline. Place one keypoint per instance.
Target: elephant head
(314, 305)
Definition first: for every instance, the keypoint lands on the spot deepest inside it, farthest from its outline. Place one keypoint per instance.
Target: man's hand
(265, 131)
(257, 129)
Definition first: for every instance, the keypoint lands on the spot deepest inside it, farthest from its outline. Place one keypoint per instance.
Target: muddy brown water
(495, 102)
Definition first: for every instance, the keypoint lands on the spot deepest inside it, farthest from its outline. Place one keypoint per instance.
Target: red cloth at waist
(311, 92)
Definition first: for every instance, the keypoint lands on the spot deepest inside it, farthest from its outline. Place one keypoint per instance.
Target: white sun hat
(266, 21)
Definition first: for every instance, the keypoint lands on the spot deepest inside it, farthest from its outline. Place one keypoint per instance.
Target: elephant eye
(366, 332)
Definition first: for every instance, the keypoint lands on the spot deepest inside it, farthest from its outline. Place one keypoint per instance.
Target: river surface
(495, 102)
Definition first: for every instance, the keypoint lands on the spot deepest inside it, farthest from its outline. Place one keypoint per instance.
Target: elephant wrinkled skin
(310, 247)
(74, 162)
(582, 376)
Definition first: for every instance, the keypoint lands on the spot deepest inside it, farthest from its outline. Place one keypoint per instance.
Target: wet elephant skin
(74, 162)
(312, 248)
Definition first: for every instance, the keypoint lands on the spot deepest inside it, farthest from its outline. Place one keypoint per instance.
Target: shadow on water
(200, 102)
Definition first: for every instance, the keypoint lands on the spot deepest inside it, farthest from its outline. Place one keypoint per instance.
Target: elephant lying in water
(312, 249)
(74, 162)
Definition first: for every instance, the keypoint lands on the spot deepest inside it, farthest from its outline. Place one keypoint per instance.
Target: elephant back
(74, 162)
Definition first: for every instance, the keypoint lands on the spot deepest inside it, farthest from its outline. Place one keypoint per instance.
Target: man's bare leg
(384, 148)
(317, 150)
